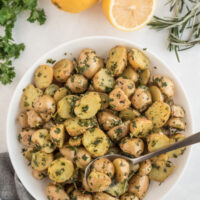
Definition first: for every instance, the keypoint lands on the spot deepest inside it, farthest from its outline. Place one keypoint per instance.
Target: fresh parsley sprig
(9, 50)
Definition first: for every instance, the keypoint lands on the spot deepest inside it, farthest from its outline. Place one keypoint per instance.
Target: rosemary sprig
(184, 26)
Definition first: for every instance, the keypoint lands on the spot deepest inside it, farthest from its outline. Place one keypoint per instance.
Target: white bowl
(101, 44)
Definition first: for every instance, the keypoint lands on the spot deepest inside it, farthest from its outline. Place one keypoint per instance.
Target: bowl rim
(135, 44)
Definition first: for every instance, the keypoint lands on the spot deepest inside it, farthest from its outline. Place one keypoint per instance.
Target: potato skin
(60, 93)
(75, 141)
(145, 77)
(145, 168)
(131, 74)
(138, 59)
(127, 85)
(105, 166)
(89, 63)
(57, 134)
(177, 111)
(34, 120)
(139, 185)
(118, 100)
(77, 83)
(98, 181)
(177, 123)
(83, 158)
(107, 120)
(129, 114)
(24, 137)
(23, 119)
(129, 196)
(62, 70)
(104, 196)
(141, 98)
(51, 90)
(156, 93)
(117, 60)
(132, 146)
(68, 152)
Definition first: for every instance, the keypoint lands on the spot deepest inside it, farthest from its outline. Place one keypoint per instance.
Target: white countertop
(61, 27)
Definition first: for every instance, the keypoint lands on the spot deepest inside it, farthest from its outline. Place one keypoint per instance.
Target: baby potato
(118, 132)
(132, 146)
(43, 76)
(60, 93)
(138, 59)
(129, 114)
(98, 181)
(96, 142)
(27, 153)
(83, 158)
(41, 160)
(75, 141)
(131, 74)
(122, 169)
(145, 77)
(117, 60)
(45, 116)
(62, 70)
(156, 141)
(139, 185)
(159, 113)
(104, 100)
(141, 98)
(177, 123)
(127, 85)
(145, 168)
(89, 63)
(34, 120)
(161, 170)
(24, 137)
(129, 196)
(156, 94)
(77, 83)
(103, 81)
(88, 105)
(51, 90)
(118, 100)
(140, 127)
(23, 119)
(68, 152)
(103, 196)
(65, 106)
(76, 126)
(44, 104)
(55, 192)
(30, 93)
(60, 170)
(177, 111)
(39, 175)
(173, 139)
(57, 135)
(105, 166)
(78, 195)
(41, 137)
(165, 84)
(107, 120)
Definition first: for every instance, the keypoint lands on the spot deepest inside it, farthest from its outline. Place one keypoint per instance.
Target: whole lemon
(74, 6)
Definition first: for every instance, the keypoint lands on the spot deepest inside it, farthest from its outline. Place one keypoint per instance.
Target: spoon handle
(193, 139)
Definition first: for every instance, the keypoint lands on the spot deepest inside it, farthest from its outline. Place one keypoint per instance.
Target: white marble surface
(61, 27)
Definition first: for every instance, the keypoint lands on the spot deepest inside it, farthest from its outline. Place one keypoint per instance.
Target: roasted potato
(83, 158)
(145, 168)
(107, 120)
(131, 74)
(34, 120)
(132, 146)
(118, 132)
(77, 83)
(127, 85)
(141, 98)
(159, 113)
(62, 70)
(24, 137)
(129, 114)
(129, 196)
(98, 181)
(122, 169)
(105, 166)
(118, 100)
(139, 185)
(117, 60)
(103, 81)
(177, 111)
(165, 84)
(39, 175)
(177, 123)
(104, 100)
(23, 119)
(75, 141)
(145, 77)
(57, 135)
(60, 93)
(43, 76)
(137, 59)
(50, 91)
(140, 127)
(68, 152)
(45, 116)
(156, 94)
(104, 196)
(96, 142)
(89, 63)
(30, 93)
(60, 170)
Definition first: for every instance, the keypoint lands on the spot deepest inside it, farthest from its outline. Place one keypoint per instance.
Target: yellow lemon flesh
(129, 15)
(74, 6)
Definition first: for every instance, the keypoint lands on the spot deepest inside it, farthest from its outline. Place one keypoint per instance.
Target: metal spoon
(193, 139)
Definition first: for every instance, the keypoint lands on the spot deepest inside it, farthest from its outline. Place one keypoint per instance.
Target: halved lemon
(129, 15)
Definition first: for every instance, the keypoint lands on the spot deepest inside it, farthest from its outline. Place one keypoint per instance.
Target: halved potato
(129, 114)
(68, 152)
(177, 111)
(156, 94)
(145, 168)
(60, 93)
(57, 134)
(104, 100)
(51, 90)
(144, 77)
(131, 74)
(177, 123)
(75, 141)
